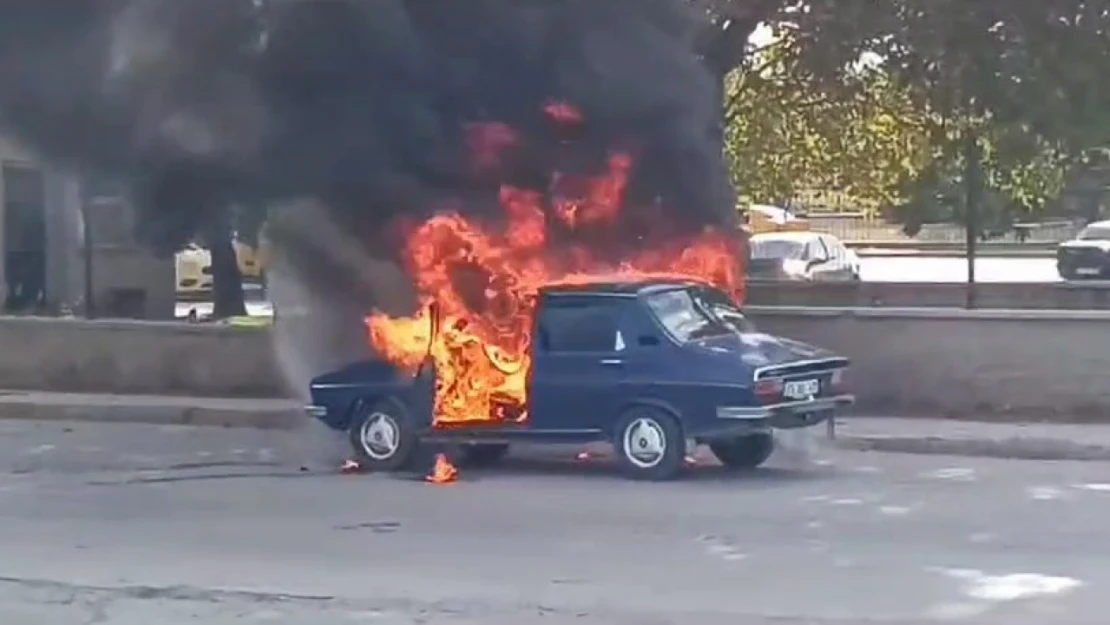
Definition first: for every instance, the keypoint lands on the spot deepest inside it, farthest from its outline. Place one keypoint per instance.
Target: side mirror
(647, 340)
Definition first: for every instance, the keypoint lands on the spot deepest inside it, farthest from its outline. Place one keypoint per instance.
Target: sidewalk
(155, 409)
(1032, 441)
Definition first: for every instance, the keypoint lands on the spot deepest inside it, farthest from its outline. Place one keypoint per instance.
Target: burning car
(650, 366)
(583, 302)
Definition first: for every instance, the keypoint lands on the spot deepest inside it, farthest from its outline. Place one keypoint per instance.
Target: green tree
(1023, 75)
(1035, 68)
(789, 131)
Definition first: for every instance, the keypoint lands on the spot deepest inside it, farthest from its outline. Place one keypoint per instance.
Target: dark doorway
(24, 238)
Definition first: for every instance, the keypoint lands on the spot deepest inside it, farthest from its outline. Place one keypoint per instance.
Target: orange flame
(443, 472)
(483, 280)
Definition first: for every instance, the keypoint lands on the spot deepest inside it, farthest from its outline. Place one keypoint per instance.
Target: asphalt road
(122, 525)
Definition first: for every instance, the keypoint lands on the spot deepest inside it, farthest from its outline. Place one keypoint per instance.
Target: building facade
(64, 242)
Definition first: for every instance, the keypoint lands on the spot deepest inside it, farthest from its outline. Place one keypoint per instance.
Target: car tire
(480, 455)
(744, 452)
(649, 444)
(383, 435)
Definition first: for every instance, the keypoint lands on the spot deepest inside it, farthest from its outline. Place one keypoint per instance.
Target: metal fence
(858, 227)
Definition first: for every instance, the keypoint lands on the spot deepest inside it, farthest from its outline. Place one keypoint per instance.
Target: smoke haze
(362, 105)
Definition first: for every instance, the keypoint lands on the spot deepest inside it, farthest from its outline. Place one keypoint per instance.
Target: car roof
(619, 288)
(1098, 224)
(800, 237)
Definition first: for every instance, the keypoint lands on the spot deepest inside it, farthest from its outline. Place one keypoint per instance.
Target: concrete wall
(119, 262)
(136, 357)
(952, 363)
(1006, 296)
(971, 364)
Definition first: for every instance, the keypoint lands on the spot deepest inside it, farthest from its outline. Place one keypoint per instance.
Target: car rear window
(684, 315)
(1095, 234)
(777, 248)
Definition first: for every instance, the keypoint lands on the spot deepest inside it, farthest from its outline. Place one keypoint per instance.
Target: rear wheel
(744, 452)
(383, 436)
(480, 455)
(649, 444)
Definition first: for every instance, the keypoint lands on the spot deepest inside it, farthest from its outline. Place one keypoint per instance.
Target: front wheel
(744, 452)
(649, 444)
(383, 436)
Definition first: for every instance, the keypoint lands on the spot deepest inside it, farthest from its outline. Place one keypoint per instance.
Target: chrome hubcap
(379, 436)
(644, 442)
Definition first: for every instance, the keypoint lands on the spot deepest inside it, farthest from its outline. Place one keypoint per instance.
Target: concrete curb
(258, 414)
(282, 414)
(1017, 448)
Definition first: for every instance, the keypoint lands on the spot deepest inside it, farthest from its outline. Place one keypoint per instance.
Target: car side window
(823, 251)
(815, 250)
(835, 250)
(580, 327)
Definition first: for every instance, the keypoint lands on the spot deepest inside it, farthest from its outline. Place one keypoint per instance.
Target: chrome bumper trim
(816, 404)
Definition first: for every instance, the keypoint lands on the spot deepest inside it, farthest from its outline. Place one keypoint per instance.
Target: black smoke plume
(361, 106)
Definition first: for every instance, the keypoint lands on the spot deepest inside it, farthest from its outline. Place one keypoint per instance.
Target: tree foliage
(1025, 76)
(788, 132)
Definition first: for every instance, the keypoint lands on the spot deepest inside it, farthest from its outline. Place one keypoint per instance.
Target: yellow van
(251, 261)
(193, 267)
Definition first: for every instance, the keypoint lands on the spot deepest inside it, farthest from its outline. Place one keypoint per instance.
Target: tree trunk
(228, 299)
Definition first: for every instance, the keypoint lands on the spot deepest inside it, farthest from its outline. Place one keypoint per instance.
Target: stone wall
(137, 357)
(929, 362)
(963, 364)
(989, 295)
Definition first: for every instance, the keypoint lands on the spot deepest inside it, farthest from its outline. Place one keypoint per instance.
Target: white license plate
(801, 389)
(1088, 271)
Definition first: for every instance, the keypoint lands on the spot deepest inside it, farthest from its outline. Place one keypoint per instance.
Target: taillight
(768, 389)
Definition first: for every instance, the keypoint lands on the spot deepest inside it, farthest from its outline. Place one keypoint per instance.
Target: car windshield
(721, 306)
(1095, 233)
(696, 313)
(776, 248)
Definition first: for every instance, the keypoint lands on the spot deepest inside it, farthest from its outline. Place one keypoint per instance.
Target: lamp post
(87, 253)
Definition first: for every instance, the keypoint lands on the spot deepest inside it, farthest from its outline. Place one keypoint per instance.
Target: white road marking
(1044, 493)
(958, 474)
(1010, 587)
(1097, 488)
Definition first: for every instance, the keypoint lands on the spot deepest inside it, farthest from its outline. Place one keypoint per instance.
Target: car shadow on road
(606, 468)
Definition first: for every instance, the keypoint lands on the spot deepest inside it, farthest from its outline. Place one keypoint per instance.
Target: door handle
(612, 362)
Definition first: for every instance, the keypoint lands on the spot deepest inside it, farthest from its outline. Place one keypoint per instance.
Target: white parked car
(801, 256)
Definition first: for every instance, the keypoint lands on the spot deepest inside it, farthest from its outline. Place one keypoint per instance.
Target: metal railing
(859, 228)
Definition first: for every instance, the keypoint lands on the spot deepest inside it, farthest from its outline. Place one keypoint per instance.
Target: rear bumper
(1083, 266)
(787, 415)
